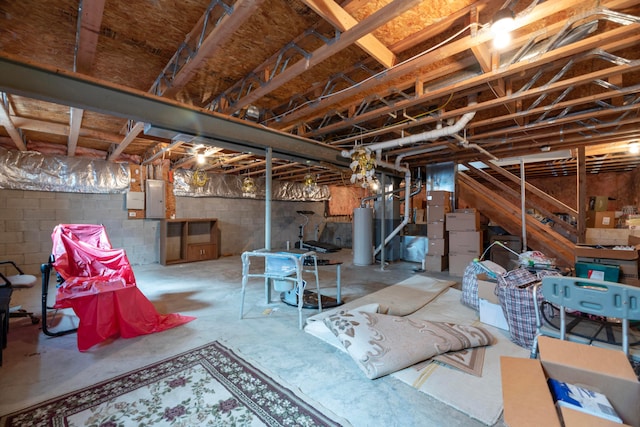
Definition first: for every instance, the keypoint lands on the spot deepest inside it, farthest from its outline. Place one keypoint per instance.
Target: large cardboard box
(598, 203)
(463, 221)
(601, 219)
(627, 260)
(527, 399)
(437, 247)
(436, 230)
(459, 262)
(439, 198)
(437, 213)
(607, 236)
(436, 263)
(466, 242)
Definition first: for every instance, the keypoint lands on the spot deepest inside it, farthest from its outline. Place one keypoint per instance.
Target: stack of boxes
(598, 215)
(465, 239)
(438, 206)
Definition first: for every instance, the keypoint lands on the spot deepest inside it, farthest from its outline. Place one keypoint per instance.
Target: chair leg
(46, 270)
(315, 264)
(534, 348)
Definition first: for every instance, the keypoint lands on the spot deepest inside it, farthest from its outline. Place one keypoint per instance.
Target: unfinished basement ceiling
(315, 76)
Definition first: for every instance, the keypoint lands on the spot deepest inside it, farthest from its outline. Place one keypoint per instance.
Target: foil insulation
(190, 183)
(29, 170)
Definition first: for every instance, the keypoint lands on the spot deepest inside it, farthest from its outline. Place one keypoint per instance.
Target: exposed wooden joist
(364, 27)
(5, 120)
(341, 19)
(242, 10)
(90, 19)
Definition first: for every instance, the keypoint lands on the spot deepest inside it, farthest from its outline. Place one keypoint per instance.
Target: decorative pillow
(381, 344)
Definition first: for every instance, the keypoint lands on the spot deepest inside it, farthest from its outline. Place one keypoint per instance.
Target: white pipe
(429, 149)
(465, 143)
(421, 137)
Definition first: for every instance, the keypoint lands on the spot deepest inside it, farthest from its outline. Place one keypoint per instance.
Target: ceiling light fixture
(309, 184)
(363, 166)
(502, 25)
(248, 187)
(201, 159)
(634, 147)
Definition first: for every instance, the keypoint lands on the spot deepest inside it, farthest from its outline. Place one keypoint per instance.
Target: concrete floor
(37, 367)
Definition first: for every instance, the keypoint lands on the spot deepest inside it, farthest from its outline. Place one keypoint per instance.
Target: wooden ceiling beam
(456, 47)
(227, 27)
(90, 20)
(341, 19)
(5, 120)
(364, 27)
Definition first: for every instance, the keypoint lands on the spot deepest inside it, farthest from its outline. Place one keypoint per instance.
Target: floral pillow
(382, 344)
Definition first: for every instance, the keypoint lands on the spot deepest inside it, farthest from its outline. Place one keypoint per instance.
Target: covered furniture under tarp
(98, 283)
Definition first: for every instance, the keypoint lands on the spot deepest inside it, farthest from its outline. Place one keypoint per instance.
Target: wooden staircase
(501, 204)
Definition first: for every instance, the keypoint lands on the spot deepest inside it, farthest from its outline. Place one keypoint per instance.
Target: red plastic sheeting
(100, 287)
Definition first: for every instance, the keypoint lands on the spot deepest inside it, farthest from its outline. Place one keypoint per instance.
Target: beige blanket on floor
(400, 299)
(423, 298)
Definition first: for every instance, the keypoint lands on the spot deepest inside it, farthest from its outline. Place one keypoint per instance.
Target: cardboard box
(437, 247)
(421, 217)
(439, 198)
(607, 236)
(437, 213)
(598, 203)
(527, 398)
(459, 262)
(437, 263)
(601, 219)
(436, 230)
(466, 242)
(463, 221)
(486, 288)
(492, 314)
(627, 260)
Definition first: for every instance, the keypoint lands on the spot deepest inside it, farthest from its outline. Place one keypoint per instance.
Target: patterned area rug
(210, 385)
(469, 360)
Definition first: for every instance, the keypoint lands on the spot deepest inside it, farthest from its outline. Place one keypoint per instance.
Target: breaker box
(154, 199)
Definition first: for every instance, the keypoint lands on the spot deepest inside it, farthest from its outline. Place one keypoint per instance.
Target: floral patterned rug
(208, 386)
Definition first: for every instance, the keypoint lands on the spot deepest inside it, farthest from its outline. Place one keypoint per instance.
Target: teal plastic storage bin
(607, 272)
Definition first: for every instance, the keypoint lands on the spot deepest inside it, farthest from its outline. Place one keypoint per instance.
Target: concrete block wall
(242, 221)
(27, 219)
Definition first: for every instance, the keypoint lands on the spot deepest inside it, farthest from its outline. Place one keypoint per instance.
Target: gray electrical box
(154, 198)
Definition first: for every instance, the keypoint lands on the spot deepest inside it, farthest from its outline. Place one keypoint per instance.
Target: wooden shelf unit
(189, 240)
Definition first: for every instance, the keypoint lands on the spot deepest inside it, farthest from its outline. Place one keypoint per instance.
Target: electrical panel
(155, 206)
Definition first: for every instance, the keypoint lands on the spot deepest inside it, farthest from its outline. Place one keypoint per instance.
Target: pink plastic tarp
(100, 287)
